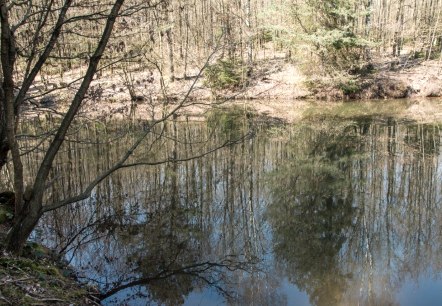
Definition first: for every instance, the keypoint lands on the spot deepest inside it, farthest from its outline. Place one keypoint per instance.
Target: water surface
(335, 209)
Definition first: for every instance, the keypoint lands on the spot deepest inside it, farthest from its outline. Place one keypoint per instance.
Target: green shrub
(350, 87)
(224, 74)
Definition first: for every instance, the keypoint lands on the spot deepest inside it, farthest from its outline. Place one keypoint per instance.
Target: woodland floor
(276, 88)
(38, 278)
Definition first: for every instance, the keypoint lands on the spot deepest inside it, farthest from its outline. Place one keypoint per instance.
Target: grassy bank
(38, 278)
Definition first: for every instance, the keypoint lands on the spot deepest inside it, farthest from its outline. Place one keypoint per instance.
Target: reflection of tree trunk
(243, 201)
(228, 228)
(173, 172)
(252, 179)
(231, 197)
(391, 185)
(209, 190)
(369, 258)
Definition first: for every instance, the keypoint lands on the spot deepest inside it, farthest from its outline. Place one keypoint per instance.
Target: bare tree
(31, 201)
(28, 204)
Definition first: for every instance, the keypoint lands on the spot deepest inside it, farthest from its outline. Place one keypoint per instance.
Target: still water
(331, 210)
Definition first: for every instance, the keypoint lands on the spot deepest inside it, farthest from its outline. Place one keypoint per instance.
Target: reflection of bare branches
(180, 160)
(90, 224)
(122, 162)
(195, 270)
(45, 136)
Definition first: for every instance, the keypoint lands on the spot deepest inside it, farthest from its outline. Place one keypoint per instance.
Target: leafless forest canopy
(177, 36)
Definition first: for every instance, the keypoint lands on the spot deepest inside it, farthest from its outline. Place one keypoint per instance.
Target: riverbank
(283, 79)
(37, 279)
(278, 84)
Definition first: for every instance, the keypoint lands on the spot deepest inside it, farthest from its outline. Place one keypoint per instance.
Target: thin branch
(188, 270)
(54, 147)
(29, 79)
(121, 163)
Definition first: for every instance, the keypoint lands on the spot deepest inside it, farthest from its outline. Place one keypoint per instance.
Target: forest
(334, 44)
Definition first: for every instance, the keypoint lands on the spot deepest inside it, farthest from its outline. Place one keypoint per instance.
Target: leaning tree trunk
(33, 209)
(24, 224)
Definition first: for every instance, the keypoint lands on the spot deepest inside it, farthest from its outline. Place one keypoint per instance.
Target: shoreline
(38, 277)
(271, 82)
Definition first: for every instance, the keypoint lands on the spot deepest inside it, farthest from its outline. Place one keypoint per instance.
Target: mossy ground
(38, 279)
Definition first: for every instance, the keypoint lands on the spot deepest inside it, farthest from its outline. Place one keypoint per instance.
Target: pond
(338, 208)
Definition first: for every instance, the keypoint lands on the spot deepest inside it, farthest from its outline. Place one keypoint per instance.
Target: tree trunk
(8, 56)
(368, 8)
(171, 61)
(28, 217)
(397, 39)
(4, 147)
(24, 224)
(169, 40)
(249, 42)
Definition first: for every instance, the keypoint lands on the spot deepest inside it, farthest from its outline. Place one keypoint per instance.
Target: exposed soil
(422, 78)
(402, 78)
(282, 80)
(276, 87)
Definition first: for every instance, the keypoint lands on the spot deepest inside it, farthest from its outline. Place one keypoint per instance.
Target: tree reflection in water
(311, 211)
(356, 209)
(159, 233)
(347, 210)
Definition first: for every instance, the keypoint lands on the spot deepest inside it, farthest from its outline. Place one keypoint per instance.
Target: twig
(4, 299)
(16, 280)
(46, 299)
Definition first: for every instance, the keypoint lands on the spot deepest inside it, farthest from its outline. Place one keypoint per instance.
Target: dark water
(328, 211)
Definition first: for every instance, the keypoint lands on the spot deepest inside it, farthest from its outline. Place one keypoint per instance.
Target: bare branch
(193, 270)
(43, 57)
(121, 163)
(43, 172)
